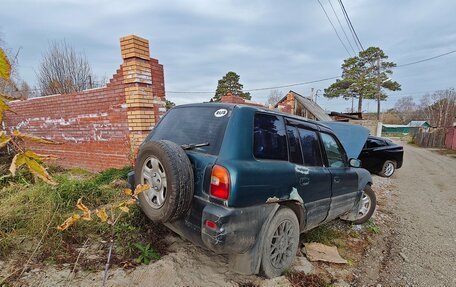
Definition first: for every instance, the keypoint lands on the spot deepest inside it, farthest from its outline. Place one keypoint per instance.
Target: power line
(316, 81)
(261, 89)
(334, 28)
(292, 85)
(342, 27)
(427, 59)
(350, 25)
(295, 84)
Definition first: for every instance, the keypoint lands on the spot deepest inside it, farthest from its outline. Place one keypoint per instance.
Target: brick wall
(98, 128)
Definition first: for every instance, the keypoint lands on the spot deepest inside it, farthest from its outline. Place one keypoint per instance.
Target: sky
(268, 43)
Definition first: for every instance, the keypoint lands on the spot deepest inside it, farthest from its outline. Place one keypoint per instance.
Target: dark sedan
(381, 156)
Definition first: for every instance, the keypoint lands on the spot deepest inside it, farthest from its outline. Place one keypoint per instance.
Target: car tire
(388, 168)
(368, 204)
(280, 243)
(166, 167)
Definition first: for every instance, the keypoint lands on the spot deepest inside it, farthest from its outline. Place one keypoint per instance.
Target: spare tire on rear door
(164, 166)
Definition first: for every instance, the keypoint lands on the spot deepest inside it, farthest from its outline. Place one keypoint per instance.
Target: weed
(300, 279)
(372, 227)
(147, 253)
(26, 209)
(6, 244)
(325, 234)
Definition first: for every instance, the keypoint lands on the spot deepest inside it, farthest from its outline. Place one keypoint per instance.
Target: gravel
(418, 242)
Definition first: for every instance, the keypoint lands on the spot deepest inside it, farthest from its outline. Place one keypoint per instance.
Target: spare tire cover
(166, 168)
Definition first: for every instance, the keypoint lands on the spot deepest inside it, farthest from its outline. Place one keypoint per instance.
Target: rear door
(372, 155)
(344, 179)
(312, 178)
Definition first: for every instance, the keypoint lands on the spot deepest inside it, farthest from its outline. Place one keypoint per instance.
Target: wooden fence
(431, 137)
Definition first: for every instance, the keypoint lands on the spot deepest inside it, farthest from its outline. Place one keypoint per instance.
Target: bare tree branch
(64, 71)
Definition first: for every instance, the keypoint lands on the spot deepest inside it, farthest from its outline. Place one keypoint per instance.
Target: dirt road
(419, 247)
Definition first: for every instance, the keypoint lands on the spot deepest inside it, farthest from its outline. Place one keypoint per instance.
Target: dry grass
(26, 208)
(300, 279)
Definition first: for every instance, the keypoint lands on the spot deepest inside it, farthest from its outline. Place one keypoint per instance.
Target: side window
(333, 151)
(294, 146)
(269, 137)
(373, 143)
(310, 148)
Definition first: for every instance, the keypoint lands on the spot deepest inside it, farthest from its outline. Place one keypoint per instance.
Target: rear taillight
(220, 182)
(211, 224)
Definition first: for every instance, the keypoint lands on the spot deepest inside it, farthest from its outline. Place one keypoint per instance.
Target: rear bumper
(236, 231)
(237, 228)
(399, 163)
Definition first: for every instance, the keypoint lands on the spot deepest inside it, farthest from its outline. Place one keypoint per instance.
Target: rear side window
(269, 137)
(294, 147)
(194, 125)
(373, 143)
(310, 148)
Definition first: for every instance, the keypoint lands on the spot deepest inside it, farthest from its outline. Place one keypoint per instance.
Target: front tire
(280, 243)
(368, 204)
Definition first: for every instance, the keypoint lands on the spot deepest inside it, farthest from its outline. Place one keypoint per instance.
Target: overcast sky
(268, 43)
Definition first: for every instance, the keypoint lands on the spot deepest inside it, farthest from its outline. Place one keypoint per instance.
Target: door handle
(336, 179)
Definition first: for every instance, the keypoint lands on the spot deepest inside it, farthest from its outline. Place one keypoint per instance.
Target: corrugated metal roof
(417, 123)
(312, 107)
(395, 126)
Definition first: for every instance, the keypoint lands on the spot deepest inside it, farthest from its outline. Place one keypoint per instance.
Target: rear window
(194, 125)
(373, 143)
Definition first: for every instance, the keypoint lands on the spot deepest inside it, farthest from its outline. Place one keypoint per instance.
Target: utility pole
(378, 88)
(353, 99)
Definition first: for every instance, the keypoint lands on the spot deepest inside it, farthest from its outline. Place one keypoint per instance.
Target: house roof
(309, 105)
(415, 124)
(395, 126)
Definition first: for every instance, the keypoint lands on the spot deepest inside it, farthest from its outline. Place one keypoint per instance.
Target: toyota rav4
(246, 181)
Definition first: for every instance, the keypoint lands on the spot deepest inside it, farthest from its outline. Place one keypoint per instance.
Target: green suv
(246, 181)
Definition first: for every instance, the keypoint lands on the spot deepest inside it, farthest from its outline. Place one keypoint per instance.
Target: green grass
(447, 152)
(326, 234)
(372, 227)
(28, 208)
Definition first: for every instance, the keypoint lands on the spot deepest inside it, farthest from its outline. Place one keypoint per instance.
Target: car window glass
(193, 125)
(333, 151)
(294, 149)
(310, 148)
(269, 141)
(373, 143)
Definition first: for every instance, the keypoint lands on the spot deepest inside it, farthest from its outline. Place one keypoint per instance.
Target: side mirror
(354, 162)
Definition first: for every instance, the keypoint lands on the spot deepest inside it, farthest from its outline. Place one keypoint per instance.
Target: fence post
(140, 99)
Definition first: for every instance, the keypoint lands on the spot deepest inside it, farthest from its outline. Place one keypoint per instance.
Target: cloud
(267, 43)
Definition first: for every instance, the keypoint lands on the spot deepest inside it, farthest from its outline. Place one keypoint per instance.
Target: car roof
(377, 138)
(260, 109)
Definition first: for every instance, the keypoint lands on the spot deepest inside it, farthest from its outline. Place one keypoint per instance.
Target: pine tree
(365, 76)
(230, 84)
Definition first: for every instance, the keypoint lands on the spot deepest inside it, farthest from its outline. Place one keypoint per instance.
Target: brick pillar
(290, 101)
(143, 107)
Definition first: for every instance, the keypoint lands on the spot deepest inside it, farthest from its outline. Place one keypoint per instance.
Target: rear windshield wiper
(192, 146)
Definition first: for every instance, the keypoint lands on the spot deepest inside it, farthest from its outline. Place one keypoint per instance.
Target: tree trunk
(360, 104)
